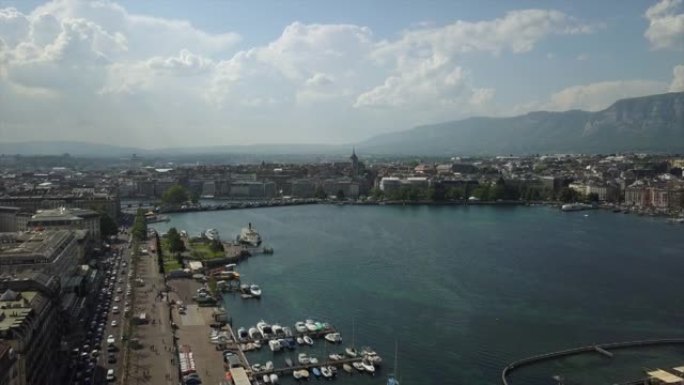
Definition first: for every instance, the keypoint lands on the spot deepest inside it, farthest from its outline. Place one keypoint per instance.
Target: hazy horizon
(171, 74)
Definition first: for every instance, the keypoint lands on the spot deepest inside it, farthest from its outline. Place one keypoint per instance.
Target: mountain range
(646, 124)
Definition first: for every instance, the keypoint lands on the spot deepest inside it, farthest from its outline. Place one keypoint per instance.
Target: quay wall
(583, 349)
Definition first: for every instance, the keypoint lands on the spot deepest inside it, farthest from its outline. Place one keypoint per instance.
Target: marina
(392, 295)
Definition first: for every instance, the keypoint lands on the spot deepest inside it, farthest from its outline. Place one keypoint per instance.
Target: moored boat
(274, 378)
(308, 340)
(288, 362)
(326, 371)
(333, 338)
(347, 368)
(351, 352)
(300, 327)
(253, 333)
(358, 366)
(242, 334)
(368, 366)
(255, 290)
(274, 345)
(264, 328)
(303, 358)
(249, 236)
(316, 372)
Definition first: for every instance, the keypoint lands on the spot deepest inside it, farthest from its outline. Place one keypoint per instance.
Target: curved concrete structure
(583, 349)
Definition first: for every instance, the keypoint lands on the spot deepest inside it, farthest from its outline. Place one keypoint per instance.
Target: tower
(354, 163)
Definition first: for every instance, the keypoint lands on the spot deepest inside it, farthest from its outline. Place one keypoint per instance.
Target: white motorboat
(274, 345)
(326, 371)
(374, 358)
(347, 368)
(351, 352)
(287, 331)
(267, 379)
(368, 366)
(303, 359)
(300, 340)
(257, 367)
(313, 360)
(304, 373)
(268, 365)
(278, 330)
(311, 325)
(274, 378)
(297, 375)
(300, 327)
(308, 340)
(212, 234)
(335, 357)
(253, 333)
(242, 334)
(358, 366)
(264, 328)
(255, 290)
(333, 338)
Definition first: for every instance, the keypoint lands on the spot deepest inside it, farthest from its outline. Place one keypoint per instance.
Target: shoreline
(279, 203)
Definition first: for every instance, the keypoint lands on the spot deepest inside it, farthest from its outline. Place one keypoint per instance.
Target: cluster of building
(644, 182)
(50, 235)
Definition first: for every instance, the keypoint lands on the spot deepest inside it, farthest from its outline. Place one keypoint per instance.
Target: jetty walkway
(599, 348)
(290, 369)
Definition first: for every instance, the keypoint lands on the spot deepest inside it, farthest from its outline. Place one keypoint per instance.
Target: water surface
(464, 290)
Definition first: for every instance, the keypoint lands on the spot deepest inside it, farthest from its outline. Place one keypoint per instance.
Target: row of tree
(139, 229)
(500, 190)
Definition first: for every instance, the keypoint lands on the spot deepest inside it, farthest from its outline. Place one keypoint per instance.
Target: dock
(290, 369)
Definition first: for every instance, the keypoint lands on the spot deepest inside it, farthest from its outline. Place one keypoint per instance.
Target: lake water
(465, 290)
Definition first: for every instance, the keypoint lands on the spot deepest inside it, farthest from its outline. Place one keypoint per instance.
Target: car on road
(111, 358)
(111, 339)
(115, 310)
(110, 375)
(114, 323)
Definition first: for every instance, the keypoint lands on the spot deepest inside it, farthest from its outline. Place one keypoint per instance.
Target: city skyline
(168, 74)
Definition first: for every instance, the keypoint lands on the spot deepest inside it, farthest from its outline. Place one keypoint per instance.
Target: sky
(170, 73)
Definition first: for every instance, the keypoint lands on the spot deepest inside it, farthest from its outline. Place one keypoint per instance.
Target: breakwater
(599, 348)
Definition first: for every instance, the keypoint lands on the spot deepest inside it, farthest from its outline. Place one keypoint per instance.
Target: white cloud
(666, 25)
(677, 84)
(98, 72)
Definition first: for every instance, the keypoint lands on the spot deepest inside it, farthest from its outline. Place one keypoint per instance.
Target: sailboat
(351, 351)
(391, 378)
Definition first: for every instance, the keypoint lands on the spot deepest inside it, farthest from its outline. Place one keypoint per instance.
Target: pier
(290, 369)
(599, 348)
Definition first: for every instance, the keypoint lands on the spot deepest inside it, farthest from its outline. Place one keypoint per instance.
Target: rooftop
(32, 244)
(13, 312)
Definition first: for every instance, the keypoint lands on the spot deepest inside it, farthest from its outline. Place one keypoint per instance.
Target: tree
(340, 195)
(175, 195)
(568, 195)
(320, 193)
(107, 225)
(139, 229)
(216, 246)
(175, 242)
(376, 193)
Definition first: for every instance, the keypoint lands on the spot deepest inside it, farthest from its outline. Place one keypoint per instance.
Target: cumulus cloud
(677, 84)
(666, 25)
(97, 71)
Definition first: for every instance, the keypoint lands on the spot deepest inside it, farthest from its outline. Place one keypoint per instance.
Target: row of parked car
(84, 359)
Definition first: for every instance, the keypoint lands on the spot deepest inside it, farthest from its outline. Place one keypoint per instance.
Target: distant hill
(83, 149)
(646, 124)
(649, 124)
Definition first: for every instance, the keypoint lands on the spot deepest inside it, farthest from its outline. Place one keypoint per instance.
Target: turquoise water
(464, 290)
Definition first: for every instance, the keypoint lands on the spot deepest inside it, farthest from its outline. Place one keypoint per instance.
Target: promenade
(153, 359)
